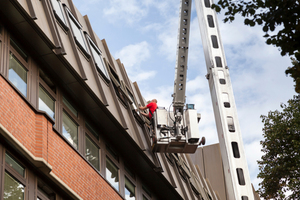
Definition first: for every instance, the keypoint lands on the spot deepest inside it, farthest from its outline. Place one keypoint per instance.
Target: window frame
(82, 47)
(63, 21)
(74, 118)
(133, 182)
(92, 46)
(113, 161)
(51, 94)
(95, 141)
(13, 173)
(25, 64)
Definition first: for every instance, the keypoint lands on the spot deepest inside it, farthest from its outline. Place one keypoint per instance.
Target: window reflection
(92, 153)
(18, 75)
(13, 190)
(46, 103)
(112, 174)
(70, 130)
(129, 190)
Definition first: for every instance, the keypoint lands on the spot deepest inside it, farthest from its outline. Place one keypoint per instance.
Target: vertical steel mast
(236, 172)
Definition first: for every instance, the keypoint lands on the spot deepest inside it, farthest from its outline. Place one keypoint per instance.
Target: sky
(143, 35)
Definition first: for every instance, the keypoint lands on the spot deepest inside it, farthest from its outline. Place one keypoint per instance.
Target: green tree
(279, 20)
(280, 164)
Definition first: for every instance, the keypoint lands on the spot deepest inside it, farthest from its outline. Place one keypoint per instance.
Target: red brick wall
(35, 132)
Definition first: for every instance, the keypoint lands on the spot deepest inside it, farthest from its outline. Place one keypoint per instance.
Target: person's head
(154, 100)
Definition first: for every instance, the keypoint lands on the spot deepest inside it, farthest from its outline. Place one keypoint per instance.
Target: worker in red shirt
(151, 106)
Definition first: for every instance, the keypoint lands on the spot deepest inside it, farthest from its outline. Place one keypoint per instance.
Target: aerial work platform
(167, 137)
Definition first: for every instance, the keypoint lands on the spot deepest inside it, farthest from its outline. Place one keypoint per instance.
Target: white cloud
(131, 11)
(132, 56)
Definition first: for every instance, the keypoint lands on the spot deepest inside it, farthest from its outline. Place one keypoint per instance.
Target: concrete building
(68, 125)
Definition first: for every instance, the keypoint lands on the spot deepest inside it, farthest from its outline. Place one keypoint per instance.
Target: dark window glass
(244, 198)
(92, 130)
(18, 75)
(69, 105)
(92, 152)
(13, 190)
(18, 48)
(14, 164)
(129, 190)
(47, 80)
(70, 130)
(46, 102)
(112, 152)
(112, 173)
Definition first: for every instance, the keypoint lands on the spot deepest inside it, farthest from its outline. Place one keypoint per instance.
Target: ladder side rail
(236, 172)
(182, 55)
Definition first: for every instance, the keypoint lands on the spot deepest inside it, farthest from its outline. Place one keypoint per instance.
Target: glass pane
(129, 190)
(46, 103)
(13, 190)
(14, 164)
(77, 32)
(18, 48)
(58, 10)
(17, 75)
(47, 80)
(92, 130)
(70, 130)
(112, 174)
(144, 198)
(98, 60)
(92, 153)
(72, 109)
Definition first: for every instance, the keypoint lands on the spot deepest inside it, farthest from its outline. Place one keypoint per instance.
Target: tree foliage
(279, 20)
(280, 164)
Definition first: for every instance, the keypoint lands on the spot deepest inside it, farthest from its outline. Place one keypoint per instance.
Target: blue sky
(143, 34)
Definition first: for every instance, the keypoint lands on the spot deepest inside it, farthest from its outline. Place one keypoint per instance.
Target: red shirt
(152, 107)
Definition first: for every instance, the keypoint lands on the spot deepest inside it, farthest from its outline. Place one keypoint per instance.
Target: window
(57, 8)
(77, 33)
(14, 181)
(207, 3)
(134, 107)
(112, 173)
(129, 190)
(70, 130)
(13, 189)
(17, 74)
(46, 102)
(14, 164)
(17, 47)
(98, 59)
(117, 86)
(70, 107)
(92, 130)
(92, 152)
(47, 80)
